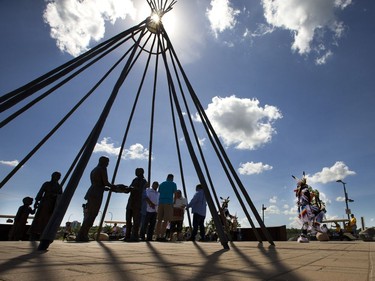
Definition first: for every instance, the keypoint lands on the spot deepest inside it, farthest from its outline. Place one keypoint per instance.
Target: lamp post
(346, 199)
(69, 217)
(263, 209)
(111, 215)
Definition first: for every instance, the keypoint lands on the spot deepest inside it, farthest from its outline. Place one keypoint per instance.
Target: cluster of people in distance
(149, 210)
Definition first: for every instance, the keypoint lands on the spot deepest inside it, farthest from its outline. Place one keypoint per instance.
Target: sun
(155, 18)
(167, 17)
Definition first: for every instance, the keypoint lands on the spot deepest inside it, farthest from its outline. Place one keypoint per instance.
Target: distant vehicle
(339, 230)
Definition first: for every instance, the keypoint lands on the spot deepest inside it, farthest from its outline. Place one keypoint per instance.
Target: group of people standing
(150, 209)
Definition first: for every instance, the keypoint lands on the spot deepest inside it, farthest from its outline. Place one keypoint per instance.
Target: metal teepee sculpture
(146, 43)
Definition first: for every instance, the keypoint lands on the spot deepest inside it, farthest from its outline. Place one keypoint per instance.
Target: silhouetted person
(152, 201)
(94, 197)
(18, 229)
(198, 208)
(178, 215)
(115, 229)
(167, 190)
(134, 206)
(45, 202)
(67, 230)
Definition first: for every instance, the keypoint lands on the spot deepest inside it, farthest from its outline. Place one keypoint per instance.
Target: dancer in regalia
(311, 209)
(305, 214)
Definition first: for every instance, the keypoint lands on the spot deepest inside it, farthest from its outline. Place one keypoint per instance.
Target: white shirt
(153, 195)
(180, 202)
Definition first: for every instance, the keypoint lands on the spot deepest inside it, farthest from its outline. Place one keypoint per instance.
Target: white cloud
(273, 209)
(202, 141)
(306, 19)
(330, 174)
(242, 122)
(251, 168)
(106, 147)
(340, 199)
(291, 211)
(13, 163)
(273, 200)
(221, 16)
(244, 222)
(328, 217)
(295, 222)
(262, 29)
(323, 197)
(135, 151)
(75, 23)
(323, 59)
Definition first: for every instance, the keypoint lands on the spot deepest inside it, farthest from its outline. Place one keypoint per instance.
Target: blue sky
(288, 86)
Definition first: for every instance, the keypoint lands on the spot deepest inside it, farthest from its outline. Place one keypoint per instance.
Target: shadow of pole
(211, 263)
(37, 257)
(116, 263)
(278, 268)
(172, 273)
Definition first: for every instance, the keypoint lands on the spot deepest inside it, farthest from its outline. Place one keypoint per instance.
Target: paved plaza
(116, 260)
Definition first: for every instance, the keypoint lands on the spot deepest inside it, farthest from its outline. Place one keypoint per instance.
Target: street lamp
(69, 217)
(346, 199)
(263, 209)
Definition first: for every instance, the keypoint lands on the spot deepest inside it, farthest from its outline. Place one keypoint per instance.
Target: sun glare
(170, 23)
(155, 18)
(169, 20)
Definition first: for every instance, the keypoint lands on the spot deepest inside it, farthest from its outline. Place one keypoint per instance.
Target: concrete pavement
(116, 260)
